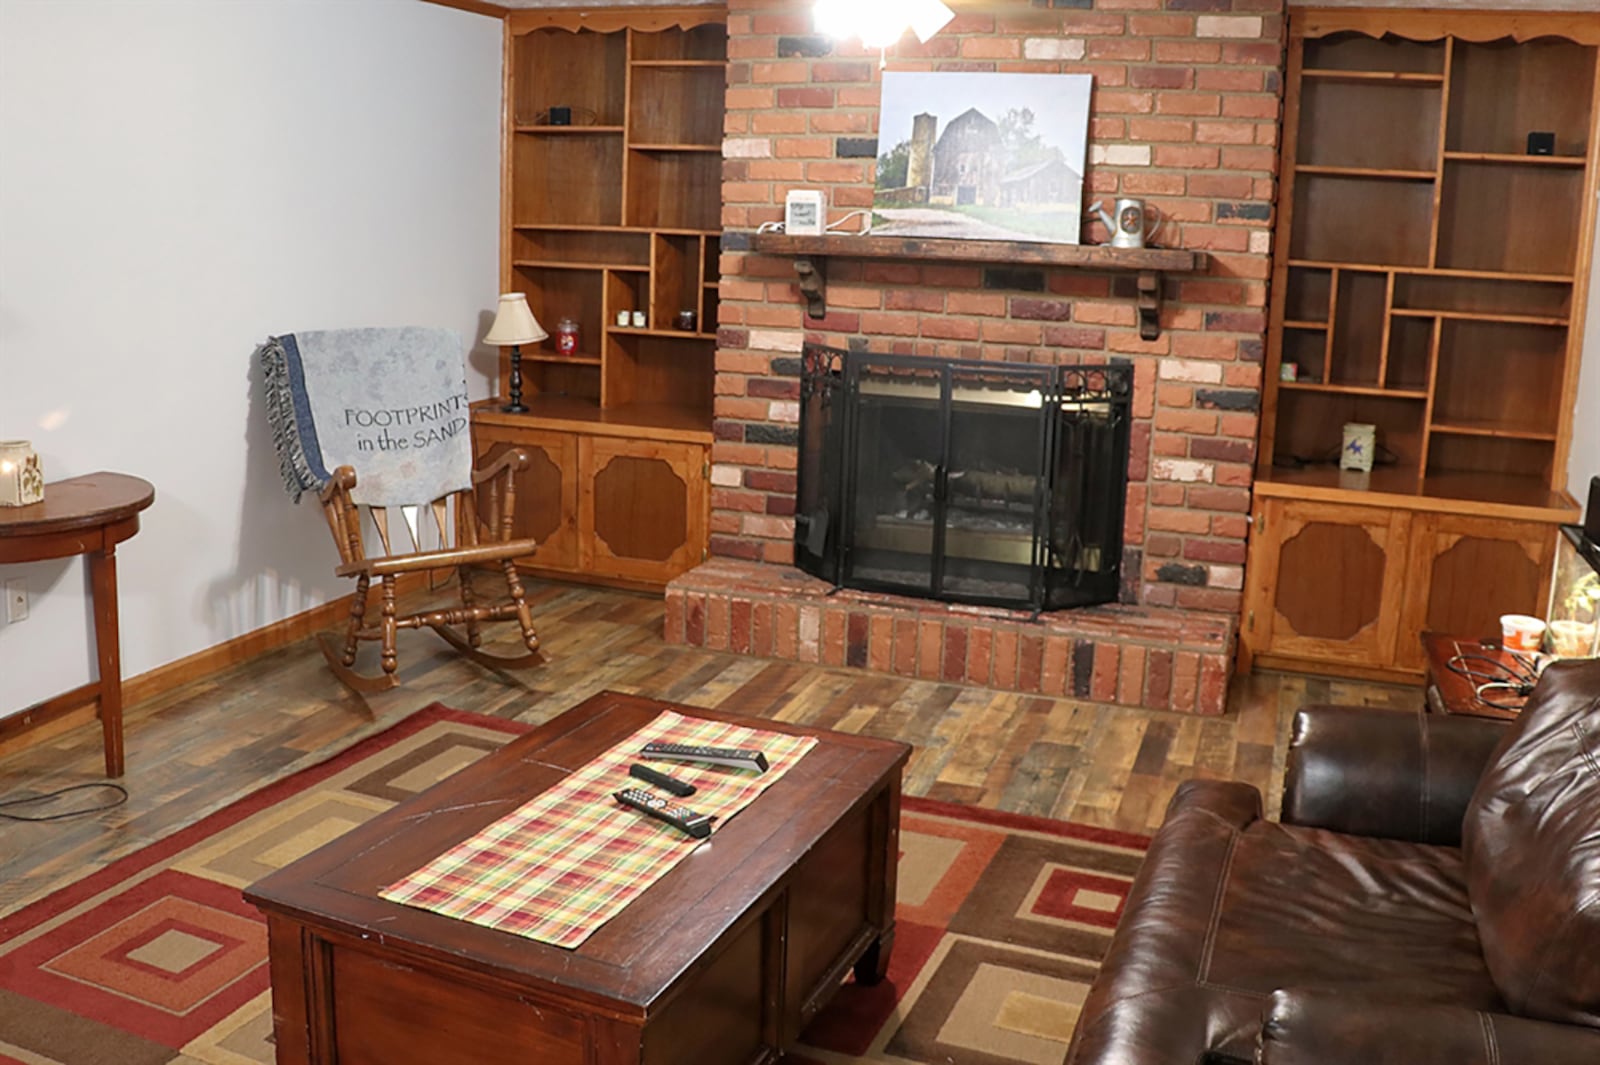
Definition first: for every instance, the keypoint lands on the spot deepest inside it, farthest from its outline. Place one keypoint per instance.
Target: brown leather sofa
(1432, 895)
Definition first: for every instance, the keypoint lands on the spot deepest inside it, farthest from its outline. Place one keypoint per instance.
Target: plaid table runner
(565, 863)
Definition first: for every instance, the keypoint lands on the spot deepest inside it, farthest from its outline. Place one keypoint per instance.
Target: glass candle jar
(567, 337)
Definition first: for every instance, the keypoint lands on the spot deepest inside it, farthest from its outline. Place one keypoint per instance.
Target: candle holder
(21, 478)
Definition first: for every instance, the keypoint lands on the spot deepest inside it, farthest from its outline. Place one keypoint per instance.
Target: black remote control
(681, 818)
(678, 787)
(736, 757)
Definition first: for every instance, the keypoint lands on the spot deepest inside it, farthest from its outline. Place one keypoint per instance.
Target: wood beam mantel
(811, 255)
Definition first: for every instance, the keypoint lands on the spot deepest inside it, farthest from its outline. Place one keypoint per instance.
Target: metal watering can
(1128, 227)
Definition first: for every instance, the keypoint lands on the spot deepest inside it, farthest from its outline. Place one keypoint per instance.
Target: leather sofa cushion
(1228, 907)
(1531, 844)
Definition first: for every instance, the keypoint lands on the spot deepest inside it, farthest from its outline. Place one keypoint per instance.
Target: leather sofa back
(1531, 840)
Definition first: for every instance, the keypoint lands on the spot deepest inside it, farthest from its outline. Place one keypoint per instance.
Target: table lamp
(21, 480)
(514, 325)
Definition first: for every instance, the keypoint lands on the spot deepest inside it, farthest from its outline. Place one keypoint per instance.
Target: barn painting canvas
(982, 156)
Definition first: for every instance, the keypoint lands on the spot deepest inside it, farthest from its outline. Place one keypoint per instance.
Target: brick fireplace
(1184, 115)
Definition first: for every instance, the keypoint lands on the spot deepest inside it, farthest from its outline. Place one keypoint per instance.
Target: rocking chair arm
(342, 481)
(515, 459)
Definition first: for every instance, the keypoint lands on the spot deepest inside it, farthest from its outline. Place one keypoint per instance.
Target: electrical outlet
(16, 599)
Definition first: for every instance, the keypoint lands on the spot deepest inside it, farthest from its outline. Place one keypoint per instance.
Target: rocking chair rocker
(483, 537)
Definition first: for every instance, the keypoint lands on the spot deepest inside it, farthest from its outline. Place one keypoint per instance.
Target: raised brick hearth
(1184, 114)
(1155, 657)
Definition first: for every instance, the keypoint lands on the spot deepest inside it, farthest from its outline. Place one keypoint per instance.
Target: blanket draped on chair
(392, 403)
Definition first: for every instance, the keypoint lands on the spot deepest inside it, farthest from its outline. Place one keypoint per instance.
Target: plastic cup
(1520, 632)
(1572, 639)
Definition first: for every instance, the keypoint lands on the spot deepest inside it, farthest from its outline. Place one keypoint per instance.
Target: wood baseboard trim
(45, 721)
(69, 710)
(1372, 674)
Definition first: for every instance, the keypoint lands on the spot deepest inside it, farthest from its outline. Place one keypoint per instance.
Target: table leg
(103, 582)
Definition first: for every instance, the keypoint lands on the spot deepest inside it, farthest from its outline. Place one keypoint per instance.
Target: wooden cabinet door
(643, 507)
(1326, 581)
(1465, 572)
(547, 491)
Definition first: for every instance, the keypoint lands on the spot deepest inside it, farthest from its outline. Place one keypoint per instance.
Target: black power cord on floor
(9, 803)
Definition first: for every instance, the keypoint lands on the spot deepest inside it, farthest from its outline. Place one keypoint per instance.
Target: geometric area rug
(157, 959)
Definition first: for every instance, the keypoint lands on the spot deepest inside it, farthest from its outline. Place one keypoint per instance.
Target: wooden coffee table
(724, 959)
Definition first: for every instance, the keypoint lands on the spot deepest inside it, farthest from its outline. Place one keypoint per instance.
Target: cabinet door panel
(1334, 582)
(547, 491)
(1465, 572)
(643, 507)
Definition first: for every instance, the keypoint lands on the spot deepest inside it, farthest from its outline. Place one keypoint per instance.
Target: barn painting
(982, 156)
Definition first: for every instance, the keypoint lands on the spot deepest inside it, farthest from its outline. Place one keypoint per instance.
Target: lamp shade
(514, 322)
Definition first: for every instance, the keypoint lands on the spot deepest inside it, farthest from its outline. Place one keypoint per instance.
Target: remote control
(681, 818)
(684, 752)
(678, 787)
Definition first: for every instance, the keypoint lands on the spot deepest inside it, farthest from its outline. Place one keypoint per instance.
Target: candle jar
(21, 478)
(567, 337)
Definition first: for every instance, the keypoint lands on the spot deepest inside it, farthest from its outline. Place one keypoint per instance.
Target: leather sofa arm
(1325, 1028)
(1373, 772)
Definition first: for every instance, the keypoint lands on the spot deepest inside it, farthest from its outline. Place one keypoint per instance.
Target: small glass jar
(567, 337)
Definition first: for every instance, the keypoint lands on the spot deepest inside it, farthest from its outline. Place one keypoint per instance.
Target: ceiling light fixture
(880, 23)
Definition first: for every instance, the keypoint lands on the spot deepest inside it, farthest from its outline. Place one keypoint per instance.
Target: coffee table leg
(873, 966)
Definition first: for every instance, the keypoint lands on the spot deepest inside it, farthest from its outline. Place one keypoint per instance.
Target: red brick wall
(1184, 114)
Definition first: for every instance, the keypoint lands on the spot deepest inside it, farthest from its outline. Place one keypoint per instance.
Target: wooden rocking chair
(480, 537)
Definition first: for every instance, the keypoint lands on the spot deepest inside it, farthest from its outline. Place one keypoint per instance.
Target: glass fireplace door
(996, 484)
(948, 480)
(893, 505)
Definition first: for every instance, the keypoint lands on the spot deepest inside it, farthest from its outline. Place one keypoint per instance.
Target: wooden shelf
(679, 334)
(571, 227)
(1366, 172)
(1466, 493)
(559, 264)
(1515, 160)
(1296, 324)
(563, 360)
(811, 254)
(682, 64)
(1480, 316)
(576, 414)
(1353, 390)
(1428, 271)
(676, 147)
(1492, 429)
(558, 130)
(1386, 77)
(1011, 253)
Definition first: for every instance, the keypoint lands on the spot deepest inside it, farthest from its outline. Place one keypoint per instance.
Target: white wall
(1584, 461)
(178, 180)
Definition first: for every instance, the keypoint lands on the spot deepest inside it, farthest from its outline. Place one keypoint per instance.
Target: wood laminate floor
(220, 737)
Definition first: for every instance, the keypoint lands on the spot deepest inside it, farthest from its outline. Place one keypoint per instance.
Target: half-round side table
(90, 516)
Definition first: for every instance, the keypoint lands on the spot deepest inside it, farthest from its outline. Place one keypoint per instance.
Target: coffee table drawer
(385, 1012)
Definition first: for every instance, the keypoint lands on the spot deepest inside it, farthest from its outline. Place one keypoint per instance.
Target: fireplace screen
(972, 482)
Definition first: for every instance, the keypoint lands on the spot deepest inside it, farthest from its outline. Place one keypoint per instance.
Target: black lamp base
(515, 406)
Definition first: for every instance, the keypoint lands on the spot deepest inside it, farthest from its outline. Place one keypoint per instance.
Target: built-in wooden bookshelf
(612, 208)
(1430, 278)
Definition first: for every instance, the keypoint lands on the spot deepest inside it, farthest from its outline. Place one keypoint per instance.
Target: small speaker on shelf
(562, 116)
(1540, 143)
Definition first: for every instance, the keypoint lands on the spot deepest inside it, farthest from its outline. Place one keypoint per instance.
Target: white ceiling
(1592, 6)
